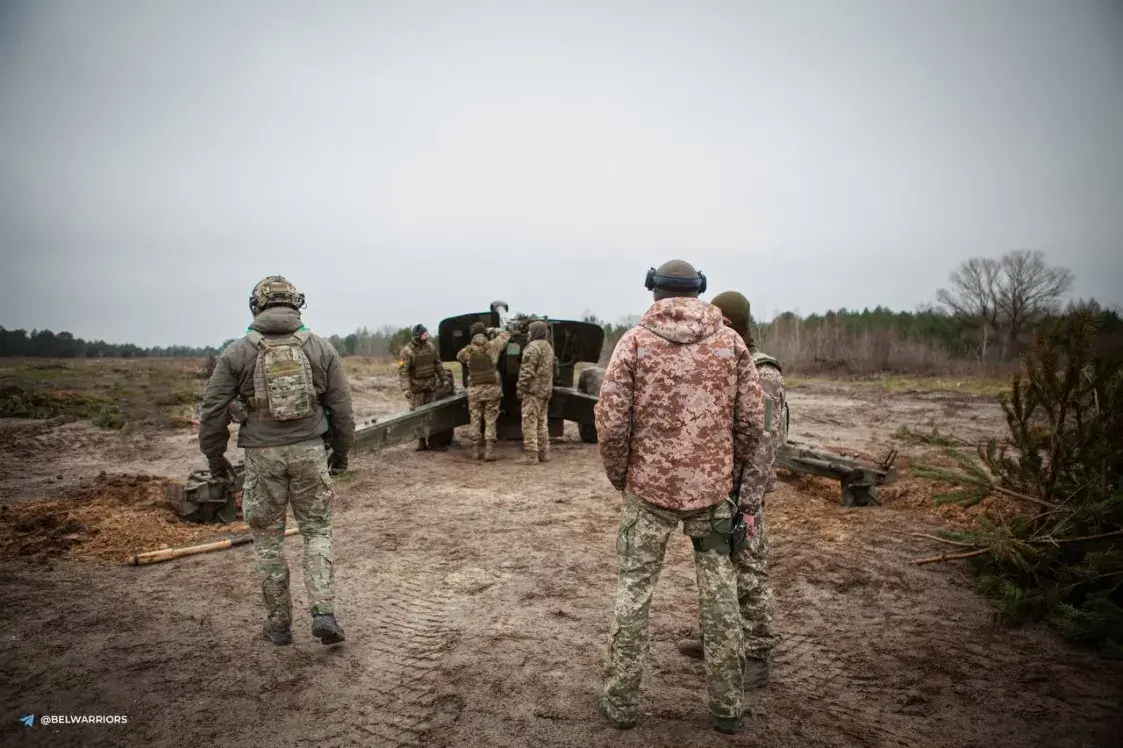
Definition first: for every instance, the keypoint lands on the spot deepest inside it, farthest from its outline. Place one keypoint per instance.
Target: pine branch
(980, 551)
(950, 557)
(1023, 497)
(1100, 536)
(946, 540)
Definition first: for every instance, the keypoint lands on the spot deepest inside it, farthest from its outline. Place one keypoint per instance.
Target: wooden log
(170, 554)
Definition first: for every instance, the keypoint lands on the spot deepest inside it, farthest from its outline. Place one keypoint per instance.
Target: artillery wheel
(589, 383)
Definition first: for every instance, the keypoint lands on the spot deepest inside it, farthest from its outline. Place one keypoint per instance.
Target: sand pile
(107, 519)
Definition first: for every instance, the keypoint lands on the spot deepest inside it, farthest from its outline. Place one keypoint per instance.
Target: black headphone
(688, 284)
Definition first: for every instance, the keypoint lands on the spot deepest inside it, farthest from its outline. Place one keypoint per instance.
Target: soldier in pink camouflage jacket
(681, 412)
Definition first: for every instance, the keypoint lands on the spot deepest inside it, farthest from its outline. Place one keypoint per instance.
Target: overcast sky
(408, 161)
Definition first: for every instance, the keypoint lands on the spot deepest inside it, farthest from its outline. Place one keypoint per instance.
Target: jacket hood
(682, 319)
(538, 330)
(277, 320)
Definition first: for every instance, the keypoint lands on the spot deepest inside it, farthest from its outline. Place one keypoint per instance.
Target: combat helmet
(275, 290)
(418, 332)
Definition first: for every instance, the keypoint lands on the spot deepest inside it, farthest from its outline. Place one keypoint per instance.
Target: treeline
(872, 341)
(929, 341)
(985, 321)
(46, 344)
(386, 341)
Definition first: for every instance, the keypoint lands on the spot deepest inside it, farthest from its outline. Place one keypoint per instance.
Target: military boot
(479, 450)
(619, 724)
(422, 445)
(728, 725)
(543, 454)
(277, 633)
(529, 458)
(326, 628)
(489, 451)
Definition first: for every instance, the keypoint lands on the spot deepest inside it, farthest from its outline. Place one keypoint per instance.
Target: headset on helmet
(665, 281)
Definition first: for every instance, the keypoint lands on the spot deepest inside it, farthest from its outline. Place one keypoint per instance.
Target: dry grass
(362, 366)
(967, 385)
(110, 392)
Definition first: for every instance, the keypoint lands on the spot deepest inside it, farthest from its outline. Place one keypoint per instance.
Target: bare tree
(974, 293)
(1008, 295)
(1028, 290)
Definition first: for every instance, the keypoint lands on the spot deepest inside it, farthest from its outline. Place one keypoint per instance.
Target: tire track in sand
(412, 630)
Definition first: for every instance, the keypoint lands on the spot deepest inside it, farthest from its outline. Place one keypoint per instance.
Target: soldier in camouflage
(534, 389)
(419, 366)
(290, 385)
(753, 588)
(485, 390)
(681, 412)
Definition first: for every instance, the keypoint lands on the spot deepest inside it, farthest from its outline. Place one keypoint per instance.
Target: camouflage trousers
(641, 545)
(276, 477)
(421, 398)
(483, 412)
(536, 437)
(754, 593)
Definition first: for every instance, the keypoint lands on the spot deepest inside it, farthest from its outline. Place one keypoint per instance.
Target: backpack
(282, 380)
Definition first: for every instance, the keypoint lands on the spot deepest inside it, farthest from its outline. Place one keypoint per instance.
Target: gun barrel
(500, 309)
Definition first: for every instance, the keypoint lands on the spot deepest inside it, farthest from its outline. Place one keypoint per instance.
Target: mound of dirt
(106, 519)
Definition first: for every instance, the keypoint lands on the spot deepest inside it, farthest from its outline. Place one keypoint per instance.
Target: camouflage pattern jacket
(233, 378)
(681, 410)
(536, 372)
(772, 380)
(419, 367)
(491, 348)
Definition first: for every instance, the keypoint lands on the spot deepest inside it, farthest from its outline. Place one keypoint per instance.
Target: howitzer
(859, 482)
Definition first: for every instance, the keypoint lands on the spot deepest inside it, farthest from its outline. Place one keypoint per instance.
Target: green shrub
(1061, 560)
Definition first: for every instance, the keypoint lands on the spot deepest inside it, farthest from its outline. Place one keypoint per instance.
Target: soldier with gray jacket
(298, 402)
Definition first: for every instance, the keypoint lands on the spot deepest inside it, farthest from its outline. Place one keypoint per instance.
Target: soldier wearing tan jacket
(485, 390)
(680, 415)
(534, 390)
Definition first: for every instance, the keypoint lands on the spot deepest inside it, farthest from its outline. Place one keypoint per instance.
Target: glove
(237, 410)
(337, 463)
(220, 468)
(519, 395)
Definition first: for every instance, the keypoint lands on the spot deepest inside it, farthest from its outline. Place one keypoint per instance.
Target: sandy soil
(477, 598)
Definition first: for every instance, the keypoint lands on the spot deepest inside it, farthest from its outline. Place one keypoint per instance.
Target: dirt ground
(477, 600)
